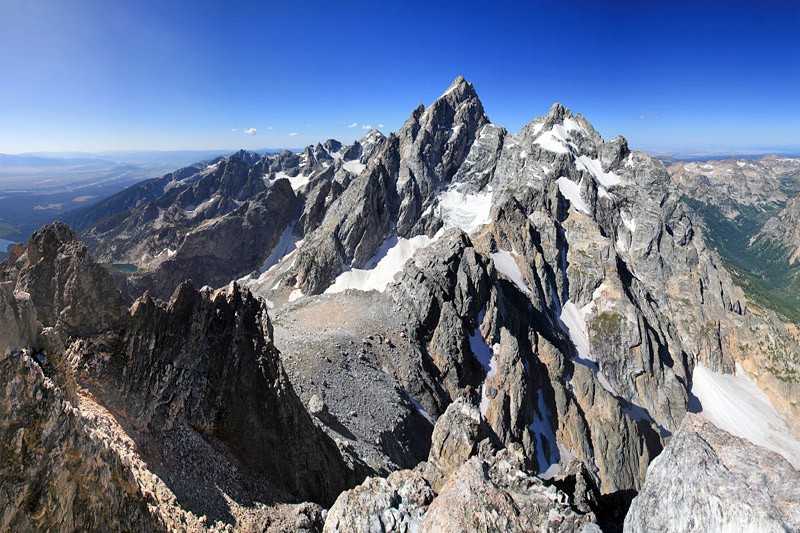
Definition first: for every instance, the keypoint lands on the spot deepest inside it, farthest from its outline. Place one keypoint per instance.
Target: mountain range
(452, 327)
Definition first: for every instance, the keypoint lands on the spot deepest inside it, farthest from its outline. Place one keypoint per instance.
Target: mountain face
(449, 328)
(750, 209)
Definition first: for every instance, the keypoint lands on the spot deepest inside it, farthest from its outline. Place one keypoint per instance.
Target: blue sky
(98, 75)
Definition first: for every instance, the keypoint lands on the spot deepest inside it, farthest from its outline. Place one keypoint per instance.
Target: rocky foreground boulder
(709, 480)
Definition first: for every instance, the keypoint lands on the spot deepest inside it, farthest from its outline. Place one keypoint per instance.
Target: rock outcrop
(709, 480)
(465, 486)
(57, 473)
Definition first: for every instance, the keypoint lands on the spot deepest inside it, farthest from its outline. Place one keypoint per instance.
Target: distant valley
(750, 209)
(38, 188)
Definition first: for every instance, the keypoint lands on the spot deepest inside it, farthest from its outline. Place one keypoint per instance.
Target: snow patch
(480, 350)
(387, 262)
(735, 404)
(421, 410)
(628, 221)
(575, 322)
(354, 167)
(572, 192)
(506, 264)
(202, 207)
(552, 143)
(556, 138)
(285, 245)
(595, 168)
(467, 211)
(295, 295)
(297, 182)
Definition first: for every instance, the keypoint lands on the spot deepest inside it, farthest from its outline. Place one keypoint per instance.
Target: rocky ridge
(193, 387)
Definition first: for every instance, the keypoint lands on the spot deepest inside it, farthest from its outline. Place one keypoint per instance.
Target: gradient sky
(111, 75)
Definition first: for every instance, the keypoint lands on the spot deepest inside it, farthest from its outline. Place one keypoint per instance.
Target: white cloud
(380, 126)
(250, 131)
(366, 126)
(234, 129)
(353, 125)
(294, 134)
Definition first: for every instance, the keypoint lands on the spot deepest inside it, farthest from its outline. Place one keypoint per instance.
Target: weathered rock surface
(207, 360)
(464, 486)
(57, 474)
(709, 480)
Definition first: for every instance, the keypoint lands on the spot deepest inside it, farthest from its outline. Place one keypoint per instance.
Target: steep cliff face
(64, 285)
(206, 359)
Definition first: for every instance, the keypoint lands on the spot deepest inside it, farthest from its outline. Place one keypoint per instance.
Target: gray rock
(709, 480)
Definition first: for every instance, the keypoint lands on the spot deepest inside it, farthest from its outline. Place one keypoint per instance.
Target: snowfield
(388, 261)
(735, 404)
(468, 211)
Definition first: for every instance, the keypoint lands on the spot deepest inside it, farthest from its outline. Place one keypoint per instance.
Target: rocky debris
(455, 439)
(497, 495)
(709, 480)
(464, 486)
(335, 349)
(395, 503)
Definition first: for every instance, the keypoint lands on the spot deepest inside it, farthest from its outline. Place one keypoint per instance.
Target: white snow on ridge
(468, 211)
(628, 221)
(506, 264)
(552, 143)
(388, 261)
(572, 192)
(297, 182)
(556, 138)
(735, 404)
(296, 294)
(595, 168)
(355, 166)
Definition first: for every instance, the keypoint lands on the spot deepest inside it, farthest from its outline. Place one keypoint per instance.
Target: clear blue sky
(99, 75)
